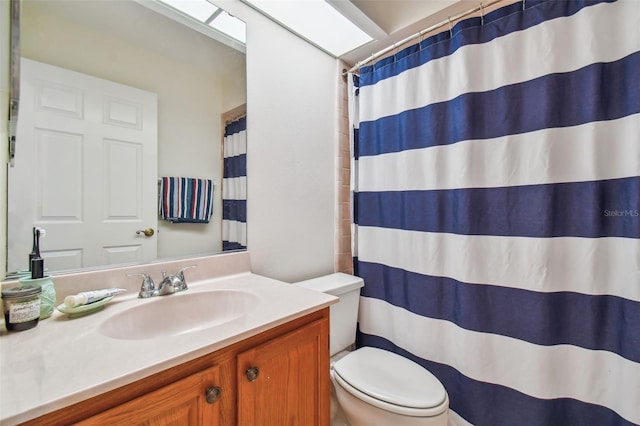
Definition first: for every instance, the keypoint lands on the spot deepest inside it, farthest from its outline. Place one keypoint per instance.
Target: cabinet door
(181, 403)
(286, 380)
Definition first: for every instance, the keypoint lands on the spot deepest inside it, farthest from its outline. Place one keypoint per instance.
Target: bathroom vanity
(266, 365)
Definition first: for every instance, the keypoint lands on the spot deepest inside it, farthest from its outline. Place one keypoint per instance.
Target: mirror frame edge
(13, 98)
(14, 74)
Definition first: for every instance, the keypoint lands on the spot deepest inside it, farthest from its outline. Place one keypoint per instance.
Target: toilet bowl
(377, 387)
(374, 386)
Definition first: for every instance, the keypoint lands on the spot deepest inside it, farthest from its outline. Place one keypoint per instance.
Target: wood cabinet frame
(228, 369)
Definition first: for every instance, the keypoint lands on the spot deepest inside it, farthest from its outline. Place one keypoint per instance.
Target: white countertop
(63, 361)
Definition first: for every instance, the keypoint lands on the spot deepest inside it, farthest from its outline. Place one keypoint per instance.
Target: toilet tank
(344, 314)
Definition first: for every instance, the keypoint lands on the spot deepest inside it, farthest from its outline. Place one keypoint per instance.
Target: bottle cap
(20, 292)
(75, 300)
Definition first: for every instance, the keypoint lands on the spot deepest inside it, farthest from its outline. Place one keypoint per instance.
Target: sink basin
(178, 314)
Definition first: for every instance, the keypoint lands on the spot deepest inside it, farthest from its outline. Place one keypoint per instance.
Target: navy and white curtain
(234, 186)
(497, 209)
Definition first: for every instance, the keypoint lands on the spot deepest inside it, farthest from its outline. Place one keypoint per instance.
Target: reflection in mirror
(114, 96)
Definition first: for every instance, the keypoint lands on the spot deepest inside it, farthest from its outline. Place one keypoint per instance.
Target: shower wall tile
(343, 257)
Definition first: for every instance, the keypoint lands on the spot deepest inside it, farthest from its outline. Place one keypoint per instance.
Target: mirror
(198, 80)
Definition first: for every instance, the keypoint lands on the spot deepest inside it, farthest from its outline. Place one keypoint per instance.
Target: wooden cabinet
(181, 403)
(281, 382)
(278, 377)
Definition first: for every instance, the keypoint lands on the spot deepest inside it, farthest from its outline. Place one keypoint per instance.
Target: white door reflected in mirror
(85, 171)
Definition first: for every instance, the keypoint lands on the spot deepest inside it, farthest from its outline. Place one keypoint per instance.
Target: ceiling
(390, 21)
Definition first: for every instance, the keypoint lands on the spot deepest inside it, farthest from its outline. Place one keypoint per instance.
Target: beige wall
(291, 142)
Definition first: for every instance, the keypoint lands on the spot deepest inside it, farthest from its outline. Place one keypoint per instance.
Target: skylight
(200, 10)
(316, 21)
(229, 25)
(211, 17)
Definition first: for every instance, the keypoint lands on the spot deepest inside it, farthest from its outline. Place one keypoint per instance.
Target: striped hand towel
(186, 199)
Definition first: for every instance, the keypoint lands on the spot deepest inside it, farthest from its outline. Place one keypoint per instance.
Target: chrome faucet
(182, 281)
(148, 288)
(169, 284)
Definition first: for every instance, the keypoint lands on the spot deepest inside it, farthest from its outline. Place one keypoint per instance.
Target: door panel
(183, 403)
(85, 170)
(287, 387)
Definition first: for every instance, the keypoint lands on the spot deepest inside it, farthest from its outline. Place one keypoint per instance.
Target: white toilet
(375, 386)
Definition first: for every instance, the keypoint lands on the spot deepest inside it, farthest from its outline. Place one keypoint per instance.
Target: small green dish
(82, 310)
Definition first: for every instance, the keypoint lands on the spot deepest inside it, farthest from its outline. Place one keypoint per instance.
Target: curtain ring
(450, 28)
(481, 14)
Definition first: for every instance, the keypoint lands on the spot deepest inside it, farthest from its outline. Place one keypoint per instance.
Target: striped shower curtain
(234, 186)
(497, 212)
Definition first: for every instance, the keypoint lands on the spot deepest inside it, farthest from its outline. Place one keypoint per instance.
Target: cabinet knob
(252, 373)
(213, 394)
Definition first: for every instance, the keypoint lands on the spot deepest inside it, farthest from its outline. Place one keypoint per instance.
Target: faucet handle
(148, 287)
(168, 284)
(183, 281)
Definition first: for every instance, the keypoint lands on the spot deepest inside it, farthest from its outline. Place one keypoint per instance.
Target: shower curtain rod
(449, 20)
(237, 117)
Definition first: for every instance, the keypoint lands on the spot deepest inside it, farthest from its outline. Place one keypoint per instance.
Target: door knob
(252, 373)
(147, 232)
(213, 394)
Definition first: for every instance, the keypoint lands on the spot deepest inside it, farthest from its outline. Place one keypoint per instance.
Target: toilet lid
(390, 378)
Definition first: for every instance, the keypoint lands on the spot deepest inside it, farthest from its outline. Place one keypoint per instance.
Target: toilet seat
(390, 382)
